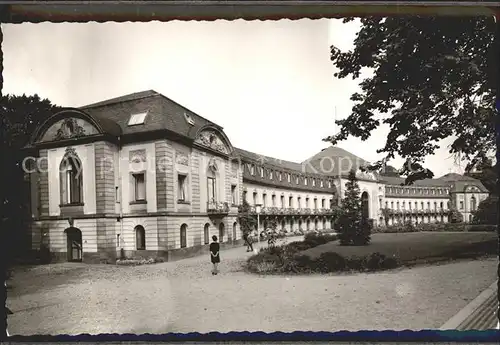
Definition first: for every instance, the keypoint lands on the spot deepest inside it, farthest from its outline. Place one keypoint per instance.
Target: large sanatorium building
(143, 176)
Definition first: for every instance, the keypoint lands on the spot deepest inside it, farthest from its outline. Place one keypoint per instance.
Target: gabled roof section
(460, 182)
(163, 114)
(102, 125)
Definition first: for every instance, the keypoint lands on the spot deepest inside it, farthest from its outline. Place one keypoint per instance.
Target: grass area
(418, 246)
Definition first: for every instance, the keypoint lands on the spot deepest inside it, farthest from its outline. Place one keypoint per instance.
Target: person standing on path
(214, 254)
(247, 241)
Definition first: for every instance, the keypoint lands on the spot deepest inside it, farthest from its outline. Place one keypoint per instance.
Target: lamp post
(257, 210)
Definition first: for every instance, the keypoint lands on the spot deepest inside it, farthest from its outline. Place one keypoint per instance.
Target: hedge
(438, 227)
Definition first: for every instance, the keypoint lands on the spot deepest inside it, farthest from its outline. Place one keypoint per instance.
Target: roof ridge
(122, 99)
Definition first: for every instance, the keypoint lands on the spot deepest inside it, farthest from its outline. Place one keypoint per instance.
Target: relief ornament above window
(137, 156)
(182, 159)
(211, 140)
(69, 129)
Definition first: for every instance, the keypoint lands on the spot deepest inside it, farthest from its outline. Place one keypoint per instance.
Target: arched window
(71, 180)
(183, 235)
(473, 204)
(140, 237)
(365, 205)
(206, 233)
(235, 227)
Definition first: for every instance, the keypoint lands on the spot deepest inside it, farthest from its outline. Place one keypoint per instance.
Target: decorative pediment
(69, 128)
(211, 139)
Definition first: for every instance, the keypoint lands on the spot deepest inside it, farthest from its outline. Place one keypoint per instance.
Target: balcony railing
(292, 211)
(217, 207)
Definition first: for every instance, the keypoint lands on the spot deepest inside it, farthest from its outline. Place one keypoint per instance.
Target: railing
(292, 211)
(217, 207)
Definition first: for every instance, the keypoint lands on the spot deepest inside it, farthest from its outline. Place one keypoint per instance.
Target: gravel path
(183, 296)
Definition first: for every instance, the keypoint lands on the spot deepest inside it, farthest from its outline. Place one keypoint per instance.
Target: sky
(269, 84)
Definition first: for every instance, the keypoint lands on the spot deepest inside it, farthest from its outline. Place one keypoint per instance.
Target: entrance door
(74, 240)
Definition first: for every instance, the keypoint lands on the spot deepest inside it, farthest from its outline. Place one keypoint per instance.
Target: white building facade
(142, 176)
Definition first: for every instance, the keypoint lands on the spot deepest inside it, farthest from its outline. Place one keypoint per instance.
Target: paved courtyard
(183, 296)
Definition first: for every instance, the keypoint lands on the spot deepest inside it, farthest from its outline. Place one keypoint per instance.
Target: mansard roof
(162, 114)
(275, 162)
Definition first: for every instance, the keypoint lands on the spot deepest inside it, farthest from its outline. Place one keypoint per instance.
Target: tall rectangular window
(273, 199)
(282, 201)
(234, 198)
(255, 198)
(182, 188)
(212, 195)
(264, 197)
(290, 201)
(139, 187)
(323, 203)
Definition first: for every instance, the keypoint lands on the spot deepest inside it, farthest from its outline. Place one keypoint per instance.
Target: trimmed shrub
(315, 239)
(331, 262)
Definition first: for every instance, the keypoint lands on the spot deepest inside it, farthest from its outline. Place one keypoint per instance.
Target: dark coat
(214, 252)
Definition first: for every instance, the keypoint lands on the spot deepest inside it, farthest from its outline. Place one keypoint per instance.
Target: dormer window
(252, 170)
(270, 175)
(261, 172)
(137, 119)
(305, 181)
(314, 182)
(189, 119)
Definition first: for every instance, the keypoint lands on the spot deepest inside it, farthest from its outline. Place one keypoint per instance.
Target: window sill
(72, 204)
(141, 249)
(183, 202)
(138, 202)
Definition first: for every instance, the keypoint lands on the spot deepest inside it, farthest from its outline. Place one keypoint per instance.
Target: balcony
(217, 208)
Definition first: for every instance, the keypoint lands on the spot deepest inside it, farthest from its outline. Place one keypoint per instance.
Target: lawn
(416, 247)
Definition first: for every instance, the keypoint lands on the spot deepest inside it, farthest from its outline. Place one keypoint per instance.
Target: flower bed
(386, 252)
(276, 258)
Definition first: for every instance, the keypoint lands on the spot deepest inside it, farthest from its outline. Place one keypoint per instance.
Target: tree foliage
(352, 227)
(486, 173)
(487, 211)
(248, 222)
(19, 117)
(433, 78)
